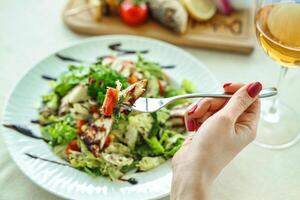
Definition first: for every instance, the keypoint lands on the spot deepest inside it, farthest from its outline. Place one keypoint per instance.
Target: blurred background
(220, 34)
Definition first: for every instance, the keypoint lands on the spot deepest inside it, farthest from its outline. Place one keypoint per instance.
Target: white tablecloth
(30, 30)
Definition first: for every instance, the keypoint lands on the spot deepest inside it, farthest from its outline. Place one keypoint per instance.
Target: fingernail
(192, 109)
(191, 125)
(254, 89)
(226, 85)
(198, 125)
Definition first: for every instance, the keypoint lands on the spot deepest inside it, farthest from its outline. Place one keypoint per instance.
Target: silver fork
(149, 105)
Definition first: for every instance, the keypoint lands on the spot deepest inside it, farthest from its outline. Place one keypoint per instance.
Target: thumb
(242, 99)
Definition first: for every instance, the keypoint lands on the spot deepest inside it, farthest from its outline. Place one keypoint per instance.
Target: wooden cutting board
(231, 33)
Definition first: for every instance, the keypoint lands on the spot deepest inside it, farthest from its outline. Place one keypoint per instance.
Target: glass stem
(283, 71)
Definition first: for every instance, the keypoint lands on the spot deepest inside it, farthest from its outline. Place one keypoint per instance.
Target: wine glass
(277, 25)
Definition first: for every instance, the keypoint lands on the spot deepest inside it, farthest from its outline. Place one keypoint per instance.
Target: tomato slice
(72, 146)
(110, 101)
(161, 88)
(79, 124)
(108, 141)
(94, 109)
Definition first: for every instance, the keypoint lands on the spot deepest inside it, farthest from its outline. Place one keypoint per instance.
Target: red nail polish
(254, 89)
(226, 85)
(198, 125)
(191, 125)
(192, 109)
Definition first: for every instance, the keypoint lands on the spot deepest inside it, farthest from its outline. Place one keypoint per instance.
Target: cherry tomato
(132, 13)
(108, 140)
(72, 146)
(79, 124)
(110, 101)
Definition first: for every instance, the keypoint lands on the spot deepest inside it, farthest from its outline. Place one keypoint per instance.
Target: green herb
(100, 79)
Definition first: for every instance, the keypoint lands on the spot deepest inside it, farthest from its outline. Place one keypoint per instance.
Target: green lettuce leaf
(60, 132)
(148, 163)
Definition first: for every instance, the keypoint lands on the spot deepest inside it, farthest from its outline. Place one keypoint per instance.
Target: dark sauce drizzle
(44, 159)
(132, 181)
(168, 66)
(114, 47)
(36, 121)
(67, 58)
(48, 78)
(24, 131)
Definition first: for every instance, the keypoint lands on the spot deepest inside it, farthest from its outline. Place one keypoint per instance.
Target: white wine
(278, 32)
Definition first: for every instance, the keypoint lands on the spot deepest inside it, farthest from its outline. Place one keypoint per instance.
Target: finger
(205, 105)
(189, 122)
(242, 99)
(201, 111)
(232, 87)
(204, 117)
(251, 115)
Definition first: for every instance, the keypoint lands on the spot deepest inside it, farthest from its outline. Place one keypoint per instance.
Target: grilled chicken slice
(124, 67)
(134, 91)
(177, 116)
(77, 94)
(95, 136)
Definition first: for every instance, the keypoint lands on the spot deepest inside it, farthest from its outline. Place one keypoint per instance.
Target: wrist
(190, 185)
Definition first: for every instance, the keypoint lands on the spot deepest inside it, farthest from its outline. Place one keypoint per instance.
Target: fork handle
(267, 92)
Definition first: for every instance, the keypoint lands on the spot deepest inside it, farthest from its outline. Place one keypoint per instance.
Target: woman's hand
(222, 129)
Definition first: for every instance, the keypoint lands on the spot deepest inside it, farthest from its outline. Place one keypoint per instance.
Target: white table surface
(31, 29)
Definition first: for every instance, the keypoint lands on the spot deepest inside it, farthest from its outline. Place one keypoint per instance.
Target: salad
(87, 120)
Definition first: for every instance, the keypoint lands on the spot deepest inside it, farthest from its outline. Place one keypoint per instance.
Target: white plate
(65, 181)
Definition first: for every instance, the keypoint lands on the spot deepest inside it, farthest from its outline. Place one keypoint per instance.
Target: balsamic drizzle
(168, 66)
(116, 47)
(67, 58)
(24, 131)
(132, 181)
(36, 121)
(44, 159)
(48, 78)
